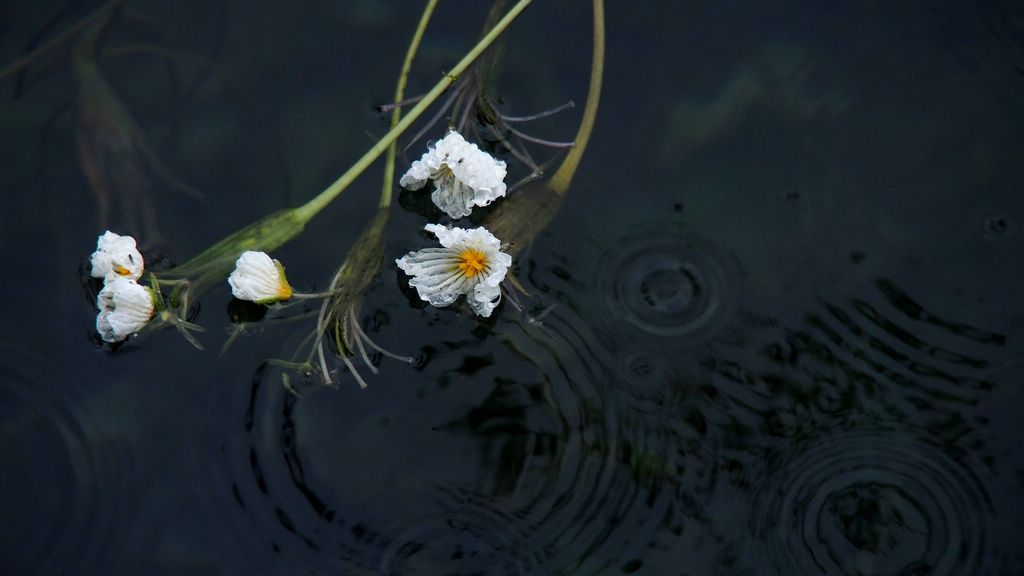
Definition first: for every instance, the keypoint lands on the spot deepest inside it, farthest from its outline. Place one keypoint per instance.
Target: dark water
(775, 329)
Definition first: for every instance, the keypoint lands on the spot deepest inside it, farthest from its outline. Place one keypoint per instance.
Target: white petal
(416, 176)
(452, 196)
(425, 168)
(259, 278)
(446, 235)
(436, 275)
(485, 175)
(125, 308)
(482, 238)
(464, 176)
(487, 293)
(484, 298)
(116, 256)
(499, 263)
(454, 237)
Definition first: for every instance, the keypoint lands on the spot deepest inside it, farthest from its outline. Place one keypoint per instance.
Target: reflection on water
(840, 446)
(777, 79)
(467, 538)
(536, 482)
(649, 383)
(874, 463)
(700, 421)
(744, 387)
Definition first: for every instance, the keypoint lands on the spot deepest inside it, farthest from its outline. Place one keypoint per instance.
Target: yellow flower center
(472, 262)
(121, 270)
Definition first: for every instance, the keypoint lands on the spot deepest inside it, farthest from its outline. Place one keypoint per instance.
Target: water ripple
(49, 446)
(501, 455)
(351, 480)
(873, 502)
(657, 281)
(636, 458)
(470, 536)
(879, 356)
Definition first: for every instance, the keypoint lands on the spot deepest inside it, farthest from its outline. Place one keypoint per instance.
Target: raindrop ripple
(661, 282)
(872, 502)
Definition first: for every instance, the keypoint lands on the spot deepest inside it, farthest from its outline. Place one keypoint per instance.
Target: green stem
(310, 209)
(562, 178)
(396, 114)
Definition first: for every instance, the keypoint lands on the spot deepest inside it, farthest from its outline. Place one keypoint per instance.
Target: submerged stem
(96, 15)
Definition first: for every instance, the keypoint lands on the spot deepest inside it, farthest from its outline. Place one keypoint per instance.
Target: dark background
(786, 290)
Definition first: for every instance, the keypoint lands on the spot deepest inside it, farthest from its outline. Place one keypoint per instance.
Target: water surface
(775, 328)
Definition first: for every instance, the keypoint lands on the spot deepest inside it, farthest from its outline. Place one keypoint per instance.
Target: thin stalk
(541, 141)
(539, 115)
(362, 335)
(385, 108)
(563, 176)
(441, 110)
(359, 345)
(310, 209)
(396, 114)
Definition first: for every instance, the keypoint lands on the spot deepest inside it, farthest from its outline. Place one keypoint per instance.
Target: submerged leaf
(113, 151)
(353, 279)
(520, 217)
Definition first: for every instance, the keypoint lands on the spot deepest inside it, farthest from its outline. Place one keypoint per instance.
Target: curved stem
(310, 209)
(396, 114)
(563, 177)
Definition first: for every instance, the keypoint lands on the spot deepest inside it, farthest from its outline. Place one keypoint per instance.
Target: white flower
(125, 307)
(470, 262)
(259, 279)
(116, 257)
(464, 176)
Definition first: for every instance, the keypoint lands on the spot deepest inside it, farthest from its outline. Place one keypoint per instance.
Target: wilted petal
(484, 298)
(116, 256)
(464, 176)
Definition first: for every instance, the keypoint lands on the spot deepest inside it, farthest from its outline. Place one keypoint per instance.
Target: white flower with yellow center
(464, 175)
(469, 262)
(125, 307)
(259, 279)
(116, 256)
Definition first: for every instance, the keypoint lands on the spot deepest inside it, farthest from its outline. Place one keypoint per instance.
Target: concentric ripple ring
(658, 281)
(874, 503)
